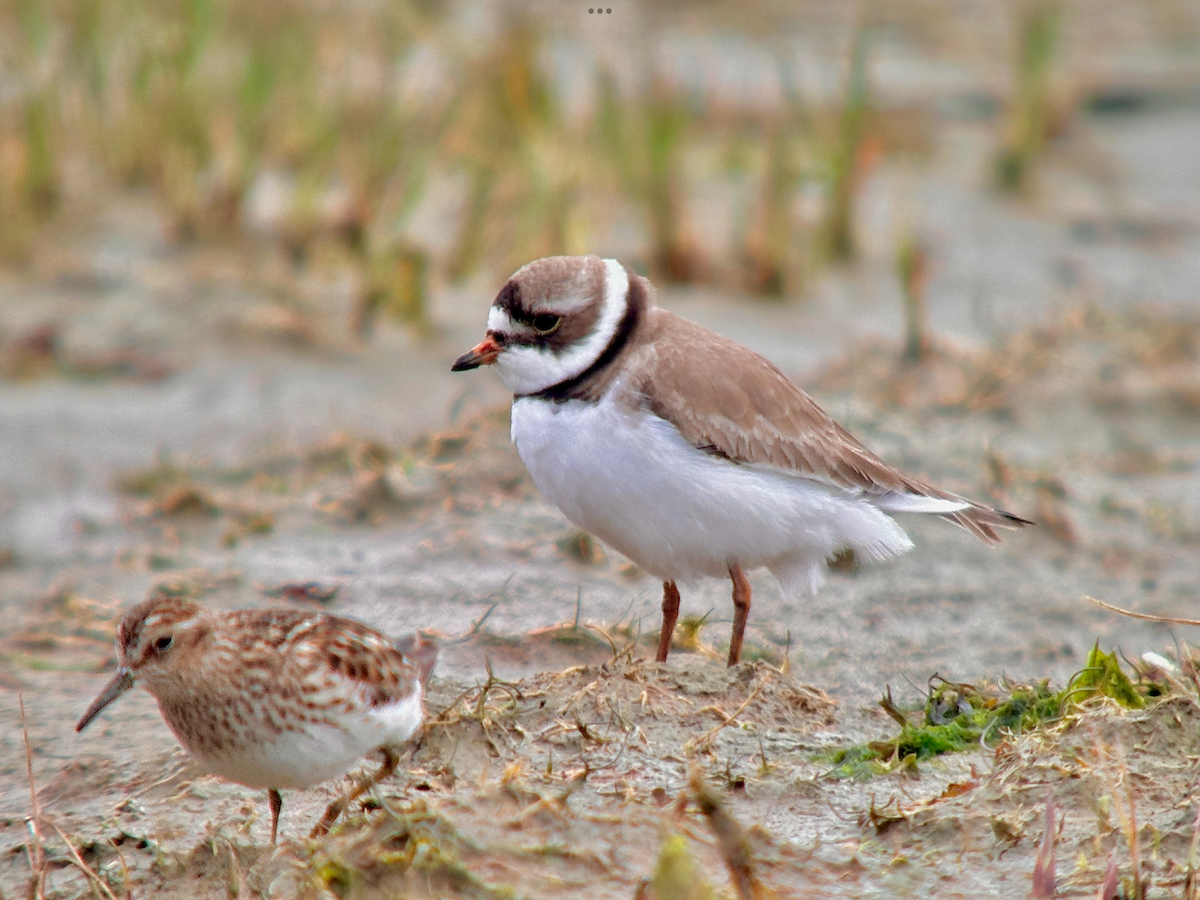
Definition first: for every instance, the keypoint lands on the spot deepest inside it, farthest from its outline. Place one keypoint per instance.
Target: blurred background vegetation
(420, 143)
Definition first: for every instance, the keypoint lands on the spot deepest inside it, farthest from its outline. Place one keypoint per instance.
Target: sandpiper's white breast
(294, 759)
(630, 478)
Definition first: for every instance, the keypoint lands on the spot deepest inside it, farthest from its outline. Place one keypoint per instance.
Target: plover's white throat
(272, 698)
(685, 451)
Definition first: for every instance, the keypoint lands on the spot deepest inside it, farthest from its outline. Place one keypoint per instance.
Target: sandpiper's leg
(276, 801)
(741, 610)
(334, 809)
(670, 610)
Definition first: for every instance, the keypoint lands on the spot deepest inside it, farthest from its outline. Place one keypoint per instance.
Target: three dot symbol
(600, 11)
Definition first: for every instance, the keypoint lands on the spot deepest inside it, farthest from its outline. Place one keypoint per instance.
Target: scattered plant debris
(305, 592)
(1044, 879)
(582, 547)
(732, 840)
(245, 523)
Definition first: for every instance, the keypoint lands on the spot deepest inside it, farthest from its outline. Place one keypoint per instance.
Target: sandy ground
(1066, 388)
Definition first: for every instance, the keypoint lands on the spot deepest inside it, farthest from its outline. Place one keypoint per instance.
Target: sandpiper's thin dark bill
(120, 683)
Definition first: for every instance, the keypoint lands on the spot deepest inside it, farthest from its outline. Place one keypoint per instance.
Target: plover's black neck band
(581, 386)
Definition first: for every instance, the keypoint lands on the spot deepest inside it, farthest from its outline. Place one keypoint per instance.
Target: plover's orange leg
(741, 610)
(276, 801)
(334, 809)
(670, 609)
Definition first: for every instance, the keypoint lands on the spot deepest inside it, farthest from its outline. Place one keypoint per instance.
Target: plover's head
(553, 320)
(153, 641)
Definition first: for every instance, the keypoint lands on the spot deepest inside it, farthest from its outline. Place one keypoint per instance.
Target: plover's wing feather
(728, 400)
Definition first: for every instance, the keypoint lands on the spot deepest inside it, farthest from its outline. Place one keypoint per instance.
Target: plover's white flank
(685, 451)
(272, 698)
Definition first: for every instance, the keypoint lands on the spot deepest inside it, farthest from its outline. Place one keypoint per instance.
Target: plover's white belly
(630, 478)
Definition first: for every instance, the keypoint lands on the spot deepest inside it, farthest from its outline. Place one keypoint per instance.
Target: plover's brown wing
(728, 400)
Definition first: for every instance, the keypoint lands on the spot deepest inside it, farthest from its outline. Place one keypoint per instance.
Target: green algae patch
(1102, 677)
(955, 717)
(959, 716)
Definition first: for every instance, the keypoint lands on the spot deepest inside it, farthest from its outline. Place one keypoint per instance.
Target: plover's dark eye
(546, 323)
(164, 643)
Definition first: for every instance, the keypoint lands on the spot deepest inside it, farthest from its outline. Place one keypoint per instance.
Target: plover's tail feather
(981, 521)
(897, 502)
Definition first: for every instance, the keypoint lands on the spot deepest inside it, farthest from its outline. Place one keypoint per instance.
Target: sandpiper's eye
(546, 323)
(164, 643)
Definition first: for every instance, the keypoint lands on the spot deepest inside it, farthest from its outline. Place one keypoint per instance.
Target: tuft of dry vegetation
(1032, 114)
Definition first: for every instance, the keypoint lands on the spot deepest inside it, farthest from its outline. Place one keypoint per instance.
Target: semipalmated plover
(687, 452)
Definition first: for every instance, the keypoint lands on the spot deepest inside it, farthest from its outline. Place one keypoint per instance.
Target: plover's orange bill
(684, 450)
(272, 698)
